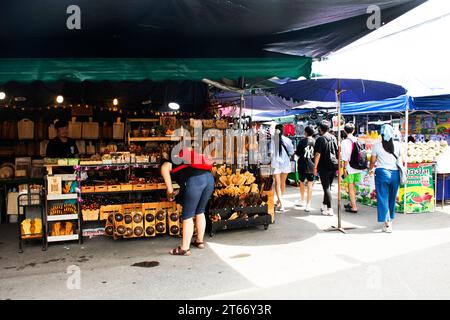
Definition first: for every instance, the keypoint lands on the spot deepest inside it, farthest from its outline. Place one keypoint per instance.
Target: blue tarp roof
(399, 104)
(432, 103)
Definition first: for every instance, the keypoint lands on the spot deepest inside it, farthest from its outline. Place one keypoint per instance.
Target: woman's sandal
(180, 252)
(351, 210)
(199, 245)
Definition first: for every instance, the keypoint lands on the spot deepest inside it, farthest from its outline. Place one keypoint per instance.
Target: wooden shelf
(62, 238)
(142, 120)
(62, 217)
(155, 139)
(69, 196)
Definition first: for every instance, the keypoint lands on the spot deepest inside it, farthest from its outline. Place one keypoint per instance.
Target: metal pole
(405, 157)
(339, 155)
(339, 226)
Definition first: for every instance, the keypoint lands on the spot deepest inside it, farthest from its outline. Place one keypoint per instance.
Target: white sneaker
(300, 205)
(323, 208)
(387, 229)
(280, 210)
(308, 208)
(328, 212)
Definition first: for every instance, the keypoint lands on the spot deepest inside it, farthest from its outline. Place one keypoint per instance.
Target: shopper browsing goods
(354, 157)
(326, 164)
(305, 152)
(386, 157)
(192, 172)
(281, 149)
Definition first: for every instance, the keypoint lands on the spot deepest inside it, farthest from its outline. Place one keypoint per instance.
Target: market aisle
(294, 258)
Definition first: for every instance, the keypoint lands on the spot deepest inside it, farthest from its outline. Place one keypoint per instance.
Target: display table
(417, 196)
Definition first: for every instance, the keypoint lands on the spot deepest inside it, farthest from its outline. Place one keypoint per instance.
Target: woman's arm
(373, 160)
(165, 173)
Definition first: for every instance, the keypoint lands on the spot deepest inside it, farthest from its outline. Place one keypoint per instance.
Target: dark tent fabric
(432, 103)
(192, 96)
(187, 28)
(399, 104)
(184, 32)
(257, 101)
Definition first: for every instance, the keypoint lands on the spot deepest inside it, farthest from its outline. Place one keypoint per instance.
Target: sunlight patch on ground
(325, 253)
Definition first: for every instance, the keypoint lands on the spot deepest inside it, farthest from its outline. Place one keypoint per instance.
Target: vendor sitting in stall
(62, 146)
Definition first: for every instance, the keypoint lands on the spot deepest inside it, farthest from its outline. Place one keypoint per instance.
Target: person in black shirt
(325, 149)
(305, 152)
(196, 188)
(62, 146)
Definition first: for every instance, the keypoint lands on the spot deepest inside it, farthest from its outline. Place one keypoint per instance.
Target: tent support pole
(339, 224)
(405, 155)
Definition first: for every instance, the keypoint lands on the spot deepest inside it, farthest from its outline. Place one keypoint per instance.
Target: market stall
(423, 157)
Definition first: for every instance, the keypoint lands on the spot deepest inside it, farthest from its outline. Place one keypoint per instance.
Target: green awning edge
(138, 69)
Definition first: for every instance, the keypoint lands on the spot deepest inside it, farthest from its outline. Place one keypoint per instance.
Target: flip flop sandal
(350, 210)
(199, 245)
(180, 252)
(348, 206)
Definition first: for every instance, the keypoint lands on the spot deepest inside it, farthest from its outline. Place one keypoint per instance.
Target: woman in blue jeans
(387, 178)
(196, 188)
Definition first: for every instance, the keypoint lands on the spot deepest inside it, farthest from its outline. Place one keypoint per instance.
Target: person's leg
(187, 232)
(382, 177)
(352, 195)
(191, 198)
(200, 220)
(324, 178)
(310, 190)
(278, 189)
(283, 178)
(302, 191)
(393, 191)
(331, 175)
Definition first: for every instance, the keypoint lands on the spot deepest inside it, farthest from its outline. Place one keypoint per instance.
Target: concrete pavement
(293, 259)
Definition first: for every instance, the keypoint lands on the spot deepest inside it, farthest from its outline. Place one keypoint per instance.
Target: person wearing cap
(387, 176)
(62, 146)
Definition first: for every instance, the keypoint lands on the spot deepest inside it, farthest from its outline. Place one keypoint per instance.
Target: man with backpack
(354, 157)
(326, 164)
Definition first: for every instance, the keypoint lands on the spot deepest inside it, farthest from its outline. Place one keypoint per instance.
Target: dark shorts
(196, 195)
(305, 176)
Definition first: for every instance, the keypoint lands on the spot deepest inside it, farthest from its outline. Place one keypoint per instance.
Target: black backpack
(358, 158)
(332, 152)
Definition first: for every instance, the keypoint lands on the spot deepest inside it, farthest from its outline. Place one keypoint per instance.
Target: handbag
(401, 169)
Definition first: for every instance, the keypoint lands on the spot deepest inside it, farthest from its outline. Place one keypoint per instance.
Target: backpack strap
(179, 168)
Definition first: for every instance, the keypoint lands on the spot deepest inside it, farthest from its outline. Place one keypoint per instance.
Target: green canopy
(136, 69)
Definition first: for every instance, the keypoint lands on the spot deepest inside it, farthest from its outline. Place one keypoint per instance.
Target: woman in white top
(281, 149)
(387, 177)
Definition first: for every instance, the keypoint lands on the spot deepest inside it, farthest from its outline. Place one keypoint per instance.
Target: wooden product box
(114, 188)
(174, 221)
(270, 203)
(90, 215)
(126, 187)
(162, 186)
(138, 225)
(139, 187)
(151, 186)
(149, 210)
(101, 188)
(87, 189)
(105, 211)
(128, 220)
